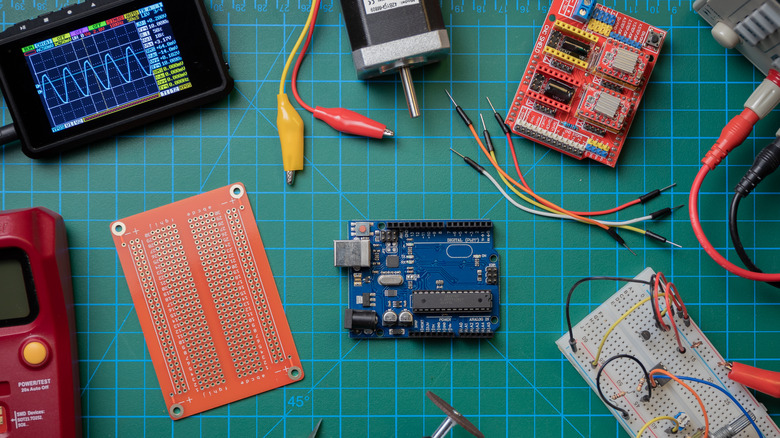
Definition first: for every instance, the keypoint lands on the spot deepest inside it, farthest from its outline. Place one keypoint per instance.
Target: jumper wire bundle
(549, 209)
(289, 122)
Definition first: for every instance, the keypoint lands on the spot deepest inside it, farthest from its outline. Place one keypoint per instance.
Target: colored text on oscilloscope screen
(107, 67)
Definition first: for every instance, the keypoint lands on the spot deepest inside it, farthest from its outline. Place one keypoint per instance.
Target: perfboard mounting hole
(177, 411)
(236, 191)
(118, 228)
(294, 373)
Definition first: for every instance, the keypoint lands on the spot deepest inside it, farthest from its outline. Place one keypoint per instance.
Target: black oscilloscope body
(177, 31)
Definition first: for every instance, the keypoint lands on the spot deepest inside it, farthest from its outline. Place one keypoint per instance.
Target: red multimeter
(38, 370)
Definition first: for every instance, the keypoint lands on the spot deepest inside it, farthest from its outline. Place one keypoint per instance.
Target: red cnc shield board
(564, 131)
(207, 301)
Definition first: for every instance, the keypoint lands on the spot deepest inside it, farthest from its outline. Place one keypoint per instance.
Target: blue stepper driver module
(420, 279)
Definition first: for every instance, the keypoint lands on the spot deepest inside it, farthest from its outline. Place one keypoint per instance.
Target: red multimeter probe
(38, 372)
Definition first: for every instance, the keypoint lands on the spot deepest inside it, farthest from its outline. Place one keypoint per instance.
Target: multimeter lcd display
(17, 295)
(97, 68)
(107, 67)
(14, 292)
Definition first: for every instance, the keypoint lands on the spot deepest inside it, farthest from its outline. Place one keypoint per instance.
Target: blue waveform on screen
(85, 91)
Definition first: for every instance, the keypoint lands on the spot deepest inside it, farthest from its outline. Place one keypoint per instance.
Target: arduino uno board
(420, 279)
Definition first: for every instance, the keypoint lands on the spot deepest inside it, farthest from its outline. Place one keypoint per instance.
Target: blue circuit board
(411, 279)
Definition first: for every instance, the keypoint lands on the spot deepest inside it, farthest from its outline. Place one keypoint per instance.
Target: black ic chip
(392, 261)
(452, 301)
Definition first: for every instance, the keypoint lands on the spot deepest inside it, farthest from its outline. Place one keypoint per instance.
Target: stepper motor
(390, 36)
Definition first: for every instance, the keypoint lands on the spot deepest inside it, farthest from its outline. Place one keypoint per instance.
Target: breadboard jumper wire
(289, 122)
(638, 399)
(765, 98)
(647, 197)
(551, 210)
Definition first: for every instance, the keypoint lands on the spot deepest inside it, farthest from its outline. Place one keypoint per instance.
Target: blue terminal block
(583, 10)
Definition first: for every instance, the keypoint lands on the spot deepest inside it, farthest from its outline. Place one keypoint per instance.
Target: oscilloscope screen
(107, 67)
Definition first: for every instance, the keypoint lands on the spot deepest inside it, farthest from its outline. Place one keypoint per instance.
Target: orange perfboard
(207, 301)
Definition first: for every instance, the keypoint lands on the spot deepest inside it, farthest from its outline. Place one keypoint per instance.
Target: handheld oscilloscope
(94, 69)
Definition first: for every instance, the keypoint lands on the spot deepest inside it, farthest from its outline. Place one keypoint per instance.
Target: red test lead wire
(340, 119)
(764, 381)
(761, 102)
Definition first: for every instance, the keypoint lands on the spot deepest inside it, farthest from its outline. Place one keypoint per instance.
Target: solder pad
(207, 301)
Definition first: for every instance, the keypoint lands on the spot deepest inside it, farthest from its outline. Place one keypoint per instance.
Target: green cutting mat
(516, 384)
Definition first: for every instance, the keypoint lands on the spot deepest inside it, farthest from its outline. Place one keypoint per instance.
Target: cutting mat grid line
(515, 384)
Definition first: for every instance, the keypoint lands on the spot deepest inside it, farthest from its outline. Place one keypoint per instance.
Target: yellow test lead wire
(288, 121)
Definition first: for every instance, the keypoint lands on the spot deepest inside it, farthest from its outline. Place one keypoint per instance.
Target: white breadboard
(623, 375)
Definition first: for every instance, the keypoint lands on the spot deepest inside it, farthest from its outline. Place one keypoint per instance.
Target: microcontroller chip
(452, 301)
(392, 261)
